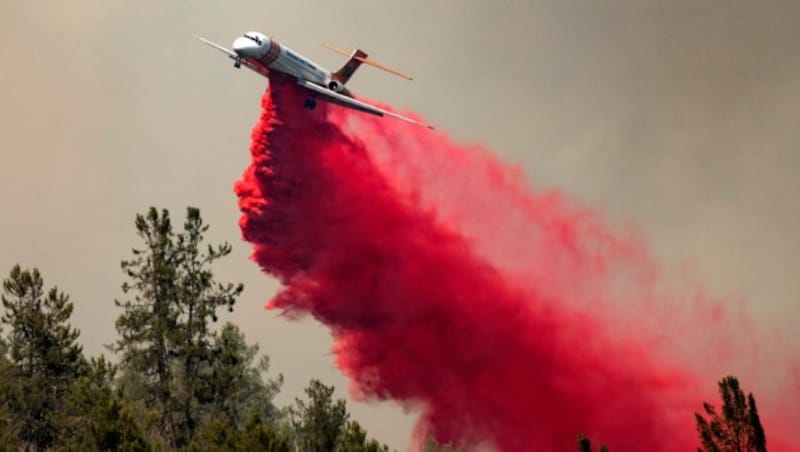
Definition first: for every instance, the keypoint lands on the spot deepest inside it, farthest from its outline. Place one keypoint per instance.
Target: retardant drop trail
(429, 308)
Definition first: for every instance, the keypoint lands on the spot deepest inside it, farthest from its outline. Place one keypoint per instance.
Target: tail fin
(357, 57)
(349, 68)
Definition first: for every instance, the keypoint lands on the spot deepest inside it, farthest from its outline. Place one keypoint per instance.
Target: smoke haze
(676, 116)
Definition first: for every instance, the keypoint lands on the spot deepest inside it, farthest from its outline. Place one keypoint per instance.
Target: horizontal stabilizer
(366, 60)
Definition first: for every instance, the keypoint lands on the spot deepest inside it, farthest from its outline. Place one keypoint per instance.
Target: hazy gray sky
(679, 116)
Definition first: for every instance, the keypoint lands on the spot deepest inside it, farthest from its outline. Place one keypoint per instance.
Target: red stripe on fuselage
(272, 53)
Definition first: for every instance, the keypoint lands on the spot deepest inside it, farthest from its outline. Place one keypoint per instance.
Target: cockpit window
(255, 39)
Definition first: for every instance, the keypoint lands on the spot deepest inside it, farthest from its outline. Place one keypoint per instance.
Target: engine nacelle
(334, 85)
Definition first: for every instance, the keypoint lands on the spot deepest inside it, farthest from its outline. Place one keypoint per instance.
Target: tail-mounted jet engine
(335, 86)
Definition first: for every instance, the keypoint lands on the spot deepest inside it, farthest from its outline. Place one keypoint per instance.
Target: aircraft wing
(230, 53)
(253, 66)
(346, 101)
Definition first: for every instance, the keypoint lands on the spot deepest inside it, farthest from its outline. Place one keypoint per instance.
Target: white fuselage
(266, 56)
(276, 57)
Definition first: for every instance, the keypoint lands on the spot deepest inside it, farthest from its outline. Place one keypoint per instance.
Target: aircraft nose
(246, 47)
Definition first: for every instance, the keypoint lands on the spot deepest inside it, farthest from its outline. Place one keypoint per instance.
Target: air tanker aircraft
(263, 54)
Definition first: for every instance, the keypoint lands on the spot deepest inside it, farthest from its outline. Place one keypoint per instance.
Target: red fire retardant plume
(450, 289)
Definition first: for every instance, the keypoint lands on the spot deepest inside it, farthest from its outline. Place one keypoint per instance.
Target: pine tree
(232, 385)
(198, 298)
(738, 428)
(7, 437)
(149, 321)
(255, 435)
(165, 330)
(318, 423)
(262, 436)
(354, 439)
(44, 358)
(105, 421)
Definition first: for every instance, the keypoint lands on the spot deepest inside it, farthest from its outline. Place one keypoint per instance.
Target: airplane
(262, 54)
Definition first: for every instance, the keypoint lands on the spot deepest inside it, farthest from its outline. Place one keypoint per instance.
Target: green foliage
(318, 423)
(181, 383)
(232, 385)
(738, 428)
(258, 435)
(105, 421)
(217, 435)
(148, 324)
(41, 341)
(7, 383)
(354, 439)
(166, 336)
(45, 358)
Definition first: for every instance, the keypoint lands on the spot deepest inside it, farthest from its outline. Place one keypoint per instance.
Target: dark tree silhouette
(585, 445)
(738, 428)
